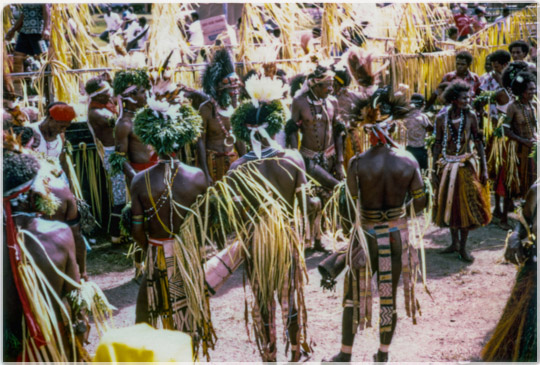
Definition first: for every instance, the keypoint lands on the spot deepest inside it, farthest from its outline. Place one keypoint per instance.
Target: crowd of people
(275, 154)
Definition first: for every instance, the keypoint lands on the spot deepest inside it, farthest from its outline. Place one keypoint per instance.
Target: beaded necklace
(450, 127)
(153, 210)
(526, 116)
(228, 133)
(318, 117)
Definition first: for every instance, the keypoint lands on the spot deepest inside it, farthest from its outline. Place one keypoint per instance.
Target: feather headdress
(221, 67)
(361, 66)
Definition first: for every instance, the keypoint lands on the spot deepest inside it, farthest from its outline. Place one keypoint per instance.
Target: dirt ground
(453, 327)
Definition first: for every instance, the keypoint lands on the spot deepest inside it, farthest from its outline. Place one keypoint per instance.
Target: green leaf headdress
(167, 127)
(264, 115)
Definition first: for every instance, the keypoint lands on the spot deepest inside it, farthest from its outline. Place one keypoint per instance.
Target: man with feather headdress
(216, 146)
(269, 187)
(379, 183)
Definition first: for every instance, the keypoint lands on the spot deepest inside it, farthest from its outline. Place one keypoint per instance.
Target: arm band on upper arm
(74, 221)
(418, 193)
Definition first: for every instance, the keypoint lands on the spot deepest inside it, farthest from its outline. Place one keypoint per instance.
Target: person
(216, 146)
(47, 247)
(34, 26)
(501, 19)
(462, 194)
(161, 196)
(131, 155)
(308, 38)
(140, 39)
(462, 72)
(519, 50)
(50, 132)
(346, 99)
(102, 116)
(113, 22)
(515, 336)
(453, 33)
(520, 126)
(463, 23)
(416, 126)
(380, 181)
(274, 241)
(315, 114)
(479, 19)
(196, 37)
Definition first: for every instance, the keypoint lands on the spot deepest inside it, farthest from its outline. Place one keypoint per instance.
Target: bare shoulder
(205, 108)
(406, 157)
(299, 100)
(138, 183)
(194, 175)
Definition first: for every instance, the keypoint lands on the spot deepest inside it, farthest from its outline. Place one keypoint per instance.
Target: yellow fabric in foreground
(142, 343)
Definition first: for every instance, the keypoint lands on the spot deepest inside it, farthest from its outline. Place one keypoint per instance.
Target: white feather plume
(262, 88)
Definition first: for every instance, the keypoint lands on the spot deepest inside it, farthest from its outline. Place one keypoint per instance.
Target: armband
(418, 193)
(74, 221)
(126, 220)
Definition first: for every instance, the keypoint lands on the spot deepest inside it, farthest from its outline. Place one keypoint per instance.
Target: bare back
(188, 183)
(284, 172)
(128, 142)
(382, 177)
(103, 129)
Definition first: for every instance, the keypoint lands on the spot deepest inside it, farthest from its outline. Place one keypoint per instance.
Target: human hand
(46, 35)
(484, 176)
(9, 35)
(340, 172)
(514, 249)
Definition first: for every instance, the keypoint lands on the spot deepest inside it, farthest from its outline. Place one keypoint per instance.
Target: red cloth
(143, 166)
(62, 113)
(471, 78)
(15, 259)
(463, 23)
(109, 106)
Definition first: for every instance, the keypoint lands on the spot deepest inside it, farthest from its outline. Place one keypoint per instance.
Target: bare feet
(464, 256)
(450, 249)
(340, 357)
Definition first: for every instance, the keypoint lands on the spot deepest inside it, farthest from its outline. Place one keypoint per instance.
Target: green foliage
(272, 113)
(124, 79)
(485, 97)
(166, 134)
(117, 161)
(125, 220)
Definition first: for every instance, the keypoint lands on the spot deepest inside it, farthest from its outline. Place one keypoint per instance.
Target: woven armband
(117, 161)
(418, 193)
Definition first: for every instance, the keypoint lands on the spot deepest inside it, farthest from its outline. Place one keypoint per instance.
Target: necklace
(318, 118)
(450, 127)
(228, 133)
(526, 117)
(162, 198)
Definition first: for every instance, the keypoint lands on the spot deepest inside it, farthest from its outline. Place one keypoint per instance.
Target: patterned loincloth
(358, 294)
(462, 201)
(219, 162)
(118, 183)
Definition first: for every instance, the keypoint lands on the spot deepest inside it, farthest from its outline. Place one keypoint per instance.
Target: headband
(106, 87)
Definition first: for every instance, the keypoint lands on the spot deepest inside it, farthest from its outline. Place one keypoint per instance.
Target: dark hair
(500, 56)
(93, 84)
(417, 99)
(453, 90)
(296, 83)
(511, 71)
(344, 75)
(521, 82)
(524, 46)
(506, 11)
(464, 55)
(25, 133)
(443, 85)
(195, 16)
(452, 30)
(316, 31)
(478, 11)
(318, 73)
(18, 169)
(47, 110)
(142, 21)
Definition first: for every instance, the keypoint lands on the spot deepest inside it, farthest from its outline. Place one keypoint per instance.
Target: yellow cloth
(142, 343)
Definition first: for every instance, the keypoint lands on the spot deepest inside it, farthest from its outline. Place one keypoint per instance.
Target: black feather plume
(221, 66)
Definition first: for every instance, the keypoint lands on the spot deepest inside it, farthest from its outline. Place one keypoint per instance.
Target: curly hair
(344, 75)
(452, 91)
(511, 71)
(522, 44)
(93, 84)
(464, 55)
(521, 82)
(500, 56)
(24, 133)
(18, 169)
